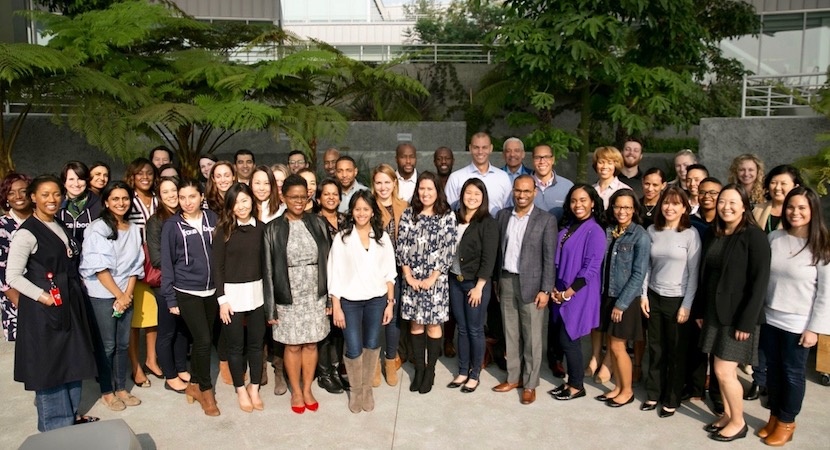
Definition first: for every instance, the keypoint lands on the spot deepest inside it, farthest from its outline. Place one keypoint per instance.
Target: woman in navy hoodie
(187, 284)
(81, 205)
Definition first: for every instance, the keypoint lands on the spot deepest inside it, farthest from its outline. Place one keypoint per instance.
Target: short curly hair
(8, 181)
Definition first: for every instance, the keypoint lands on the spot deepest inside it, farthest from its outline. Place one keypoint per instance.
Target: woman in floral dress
(19, 208)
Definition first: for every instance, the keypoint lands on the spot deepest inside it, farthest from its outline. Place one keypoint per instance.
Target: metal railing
(781, 95)
(414, 53)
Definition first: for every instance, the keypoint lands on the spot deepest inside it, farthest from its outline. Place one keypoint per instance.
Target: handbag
(152, 275)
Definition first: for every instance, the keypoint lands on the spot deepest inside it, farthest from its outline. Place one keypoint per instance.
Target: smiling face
(780, 186)
(362, 212)
(708, 195)
(384, 186)
(513, 155)
(543, 161)
(17, 199)
(524, 191)
(623, 209)
(443, 161)
(581, 204)
(99, 177)
(605, 169)
(427, 193)
(295, 201)
(205, 164)
(244, 166)
(160, 158)
(730, 207)
(747, 173)
(672, 209)
(472, 198)
(223, 178)
(346, 173)
(243, 206)
(680, 164)
(190, 200)
(480, 149)
(653, 185)
(74, 185)
(143, 179)
(632, 154)
(118, 203)
(330, 162)
(279, 178)
(798, 212)
(261, 185)
(311, 179)
(169, 195)
(47, 199)
(297, 163)
(329, 198)
(693, 179)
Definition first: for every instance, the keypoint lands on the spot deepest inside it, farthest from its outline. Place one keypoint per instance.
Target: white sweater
(798, 295)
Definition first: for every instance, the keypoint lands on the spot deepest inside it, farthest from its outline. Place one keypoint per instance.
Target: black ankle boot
(325, 372)
(418, 342)
(433, 352)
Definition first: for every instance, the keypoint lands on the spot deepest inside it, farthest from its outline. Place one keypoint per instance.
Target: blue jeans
(57, 406)
(759, 371)
(392, 330)
(786, 371)
(115, 337)
(470, 325)
(363, 322)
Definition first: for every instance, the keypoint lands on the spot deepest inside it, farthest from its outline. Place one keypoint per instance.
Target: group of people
(700, 275)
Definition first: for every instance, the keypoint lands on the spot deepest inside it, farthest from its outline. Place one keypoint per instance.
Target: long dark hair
(440, 207)
(227, 219)
(135, 167)
(673, 193)
(746, 220)
(568, 217)
(161, 212)
(483, 209)
(375, 222)
(635, 215)
(818, 239)
(274, 196)
(106, 215)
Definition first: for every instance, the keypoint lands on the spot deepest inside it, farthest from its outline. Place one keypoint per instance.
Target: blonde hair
(387, 170)
(611, 154)
(397, 203)
(756, 193)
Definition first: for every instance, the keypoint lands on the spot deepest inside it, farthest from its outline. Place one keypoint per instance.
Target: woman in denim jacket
(623, 272)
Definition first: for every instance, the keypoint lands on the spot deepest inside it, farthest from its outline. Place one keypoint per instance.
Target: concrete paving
(443, 418)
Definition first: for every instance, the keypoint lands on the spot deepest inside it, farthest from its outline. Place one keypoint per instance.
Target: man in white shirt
(346, 170)
(495, 180)
(406, 160)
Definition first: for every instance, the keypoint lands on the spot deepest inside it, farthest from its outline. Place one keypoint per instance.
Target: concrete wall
(776, 140)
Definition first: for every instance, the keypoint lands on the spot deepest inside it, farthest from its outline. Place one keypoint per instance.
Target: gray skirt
(720, 341)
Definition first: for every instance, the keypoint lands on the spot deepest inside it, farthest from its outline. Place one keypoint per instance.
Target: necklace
(618, 231)
(650, 209)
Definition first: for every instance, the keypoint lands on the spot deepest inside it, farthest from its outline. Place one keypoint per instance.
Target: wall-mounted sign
(404, 137)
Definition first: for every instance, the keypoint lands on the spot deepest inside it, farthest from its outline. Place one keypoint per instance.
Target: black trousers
(244, 344)
(666, 351)
(199, 314)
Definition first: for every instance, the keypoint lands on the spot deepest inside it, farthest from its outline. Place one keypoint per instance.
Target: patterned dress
(9, 313)
(425, 246)
(304, 321)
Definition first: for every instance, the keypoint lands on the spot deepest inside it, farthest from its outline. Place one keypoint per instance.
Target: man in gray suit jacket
(526, 276)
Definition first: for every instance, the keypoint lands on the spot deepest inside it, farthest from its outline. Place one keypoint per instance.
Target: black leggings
(172, 341)
(236, 334)
(199, 313)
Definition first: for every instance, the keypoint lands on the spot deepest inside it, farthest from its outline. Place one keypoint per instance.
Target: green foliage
(461, 22)
(816, 168)
(633, 66)
(72, 8)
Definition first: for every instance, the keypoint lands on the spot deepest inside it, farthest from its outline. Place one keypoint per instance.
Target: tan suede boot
(225, 372)
(354, 367)
(209, 403)
(391, 366)
(371, 364)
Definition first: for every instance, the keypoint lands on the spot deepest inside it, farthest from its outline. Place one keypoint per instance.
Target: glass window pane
(745, 49)
(817, 43)
(781, 36)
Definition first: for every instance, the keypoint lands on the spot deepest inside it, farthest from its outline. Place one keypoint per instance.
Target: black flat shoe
(665, 413)
(711, 428)
(568, 395)
(86, 419)
(469, 390)
(721, 438)
(614, 404)
(558, 389)
(602, 398)
(453, 384)
(752, 393)
(147, 370)
(646, 406)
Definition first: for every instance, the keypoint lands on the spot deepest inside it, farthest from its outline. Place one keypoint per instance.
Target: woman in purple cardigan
(578, 281)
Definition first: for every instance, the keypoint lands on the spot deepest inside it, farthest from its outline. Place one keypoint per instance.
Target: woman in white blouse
(361, 282)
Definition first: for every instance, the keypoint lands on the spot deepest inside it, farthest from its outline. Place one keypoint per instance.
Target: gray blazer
(537, 270)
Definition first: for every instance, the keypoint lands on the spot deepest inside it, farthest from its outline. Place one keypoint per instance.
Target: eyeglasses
(543, 157)
(712, 194)
(296, 163)
(297, 198)
(623, 208)
(522, 192)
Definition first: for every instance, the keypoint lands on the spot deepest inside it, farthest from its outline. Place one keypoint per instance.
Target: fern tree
(816, 168)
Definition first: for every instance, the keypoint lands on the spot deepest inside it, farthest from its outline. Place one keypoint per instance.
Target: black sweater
(238, 259)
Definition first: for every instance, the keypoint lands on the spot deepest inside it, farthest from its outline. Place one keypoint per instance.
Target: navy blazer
(537, 269)
(742, 287)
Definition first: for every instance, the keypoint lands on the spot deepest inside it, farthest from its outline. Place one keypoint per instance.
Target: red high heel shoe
(298, 409)
(313, 407)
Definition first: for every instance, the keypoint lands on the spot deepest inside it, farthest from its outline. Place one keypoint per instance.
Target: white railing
(781, 95)
(414, 53)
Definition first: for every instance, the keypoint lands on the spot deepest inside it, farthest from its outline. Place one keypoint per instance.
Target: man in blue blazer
(526, 276)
